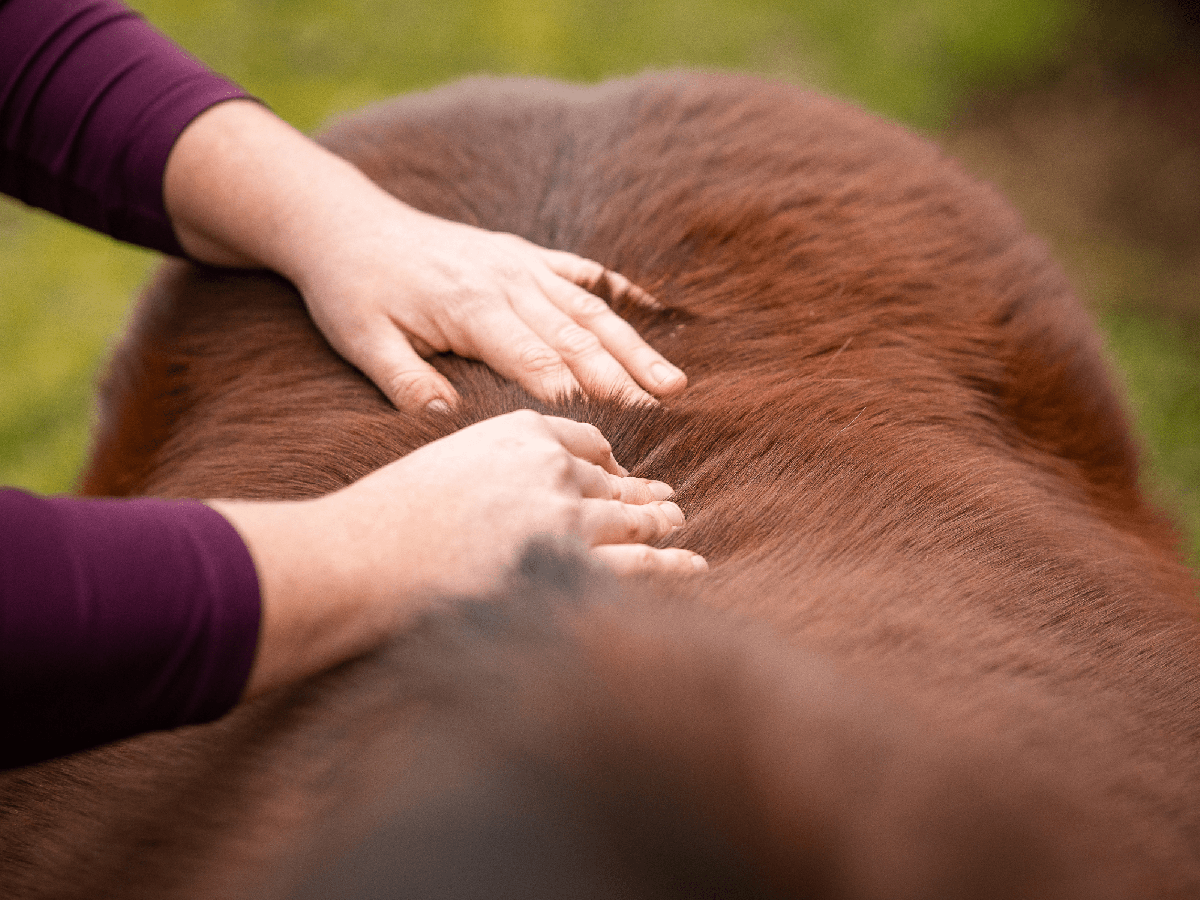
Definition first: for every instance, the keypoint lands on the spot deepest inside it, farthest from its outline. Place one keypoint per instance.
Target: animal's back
(947, 649)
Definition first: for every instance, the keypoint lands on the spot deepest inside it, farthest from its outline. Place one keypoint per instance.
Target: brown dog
(946, 648)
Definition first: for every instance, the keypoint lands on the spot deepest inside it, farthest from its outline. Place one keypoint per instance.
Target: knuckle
(596, 436)
(539, 360)
(561, 462)
(638, 524)
(567, 515)
(588, 274)
(641, 555)
(504, 257)
(559, 468)
(409, 383)
(612, 485)
(525, 418)
(476, 301)
(585, 305)
(632, 490)
(511, 242)
(510, 269)
(577, 341)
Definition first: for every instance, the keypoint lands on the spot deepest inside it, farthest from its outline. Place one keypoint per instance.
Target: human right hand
(341, 573)
(460, 510)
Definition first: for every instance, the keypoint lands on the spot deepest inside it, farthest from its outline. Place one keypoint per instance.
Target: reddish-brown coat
(947, 648)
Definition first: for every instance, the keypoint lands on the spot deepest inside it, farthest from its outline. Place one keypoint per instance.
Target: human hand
(470, 502)
(388, 284)
(340, 573)
(399, 285)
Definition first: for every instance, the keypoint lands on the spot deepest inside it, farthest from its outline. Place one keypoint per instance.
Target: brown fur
(946, 650)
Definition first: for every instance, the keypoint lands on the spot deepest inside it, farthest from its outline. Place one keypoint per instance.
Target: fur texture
(947, 648)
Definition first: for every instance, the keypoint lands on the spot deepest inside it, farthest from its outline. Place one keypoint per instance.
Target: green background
(951, 68)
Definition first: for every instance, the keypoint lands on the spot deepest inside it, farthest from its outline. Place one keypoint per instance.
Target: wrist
(243, 188)
(313, 614)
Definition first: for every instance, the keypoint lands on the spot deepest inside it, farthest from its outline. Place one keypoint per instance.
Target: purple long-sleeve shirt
(115, 616)
(91, 101)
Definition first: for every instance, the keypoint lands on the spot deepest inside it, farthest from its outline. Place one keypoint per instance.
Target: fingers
(620, 533)
(616, 341)
(556, 338)
(641, 490)
(407, 380)
(596, 483)
(505, 341)
(640, 560)
(549, 334)
(585, 441)
(593, 482)
(615, 508)
(579, 327)
(597, 279)
(617, 522)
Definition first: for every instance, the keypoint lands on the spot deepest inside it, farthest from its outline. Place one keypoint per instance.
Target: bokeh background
(1087, 114)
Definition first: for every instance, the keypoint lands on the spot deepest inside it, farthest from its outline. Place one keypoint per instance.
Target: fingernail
(699, 563)
(674, 513)
(663, 372)
(659, 490)
(438, 405)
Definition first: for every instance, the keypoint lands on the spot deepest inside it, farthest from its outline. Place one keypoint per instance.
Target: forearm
(342, 573)
(388, 284)
(320, 606)
(244, 188)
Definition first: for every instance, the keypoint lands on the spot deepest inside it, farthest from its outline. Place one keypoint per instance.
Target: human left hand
(388, 284)
(407, 285)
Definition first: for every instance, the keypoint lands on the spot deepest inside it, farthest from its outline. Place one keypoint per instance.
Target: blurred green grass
(1161, 366)
(64, 291)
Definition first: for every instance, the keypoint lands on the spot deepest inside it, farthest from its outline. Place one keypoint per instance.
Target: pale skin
(340, 573)
(388, 285)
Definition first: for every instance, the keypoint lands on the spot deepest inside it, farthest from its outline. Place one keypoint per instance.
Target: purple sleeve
(116, 617)
(91, 101)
